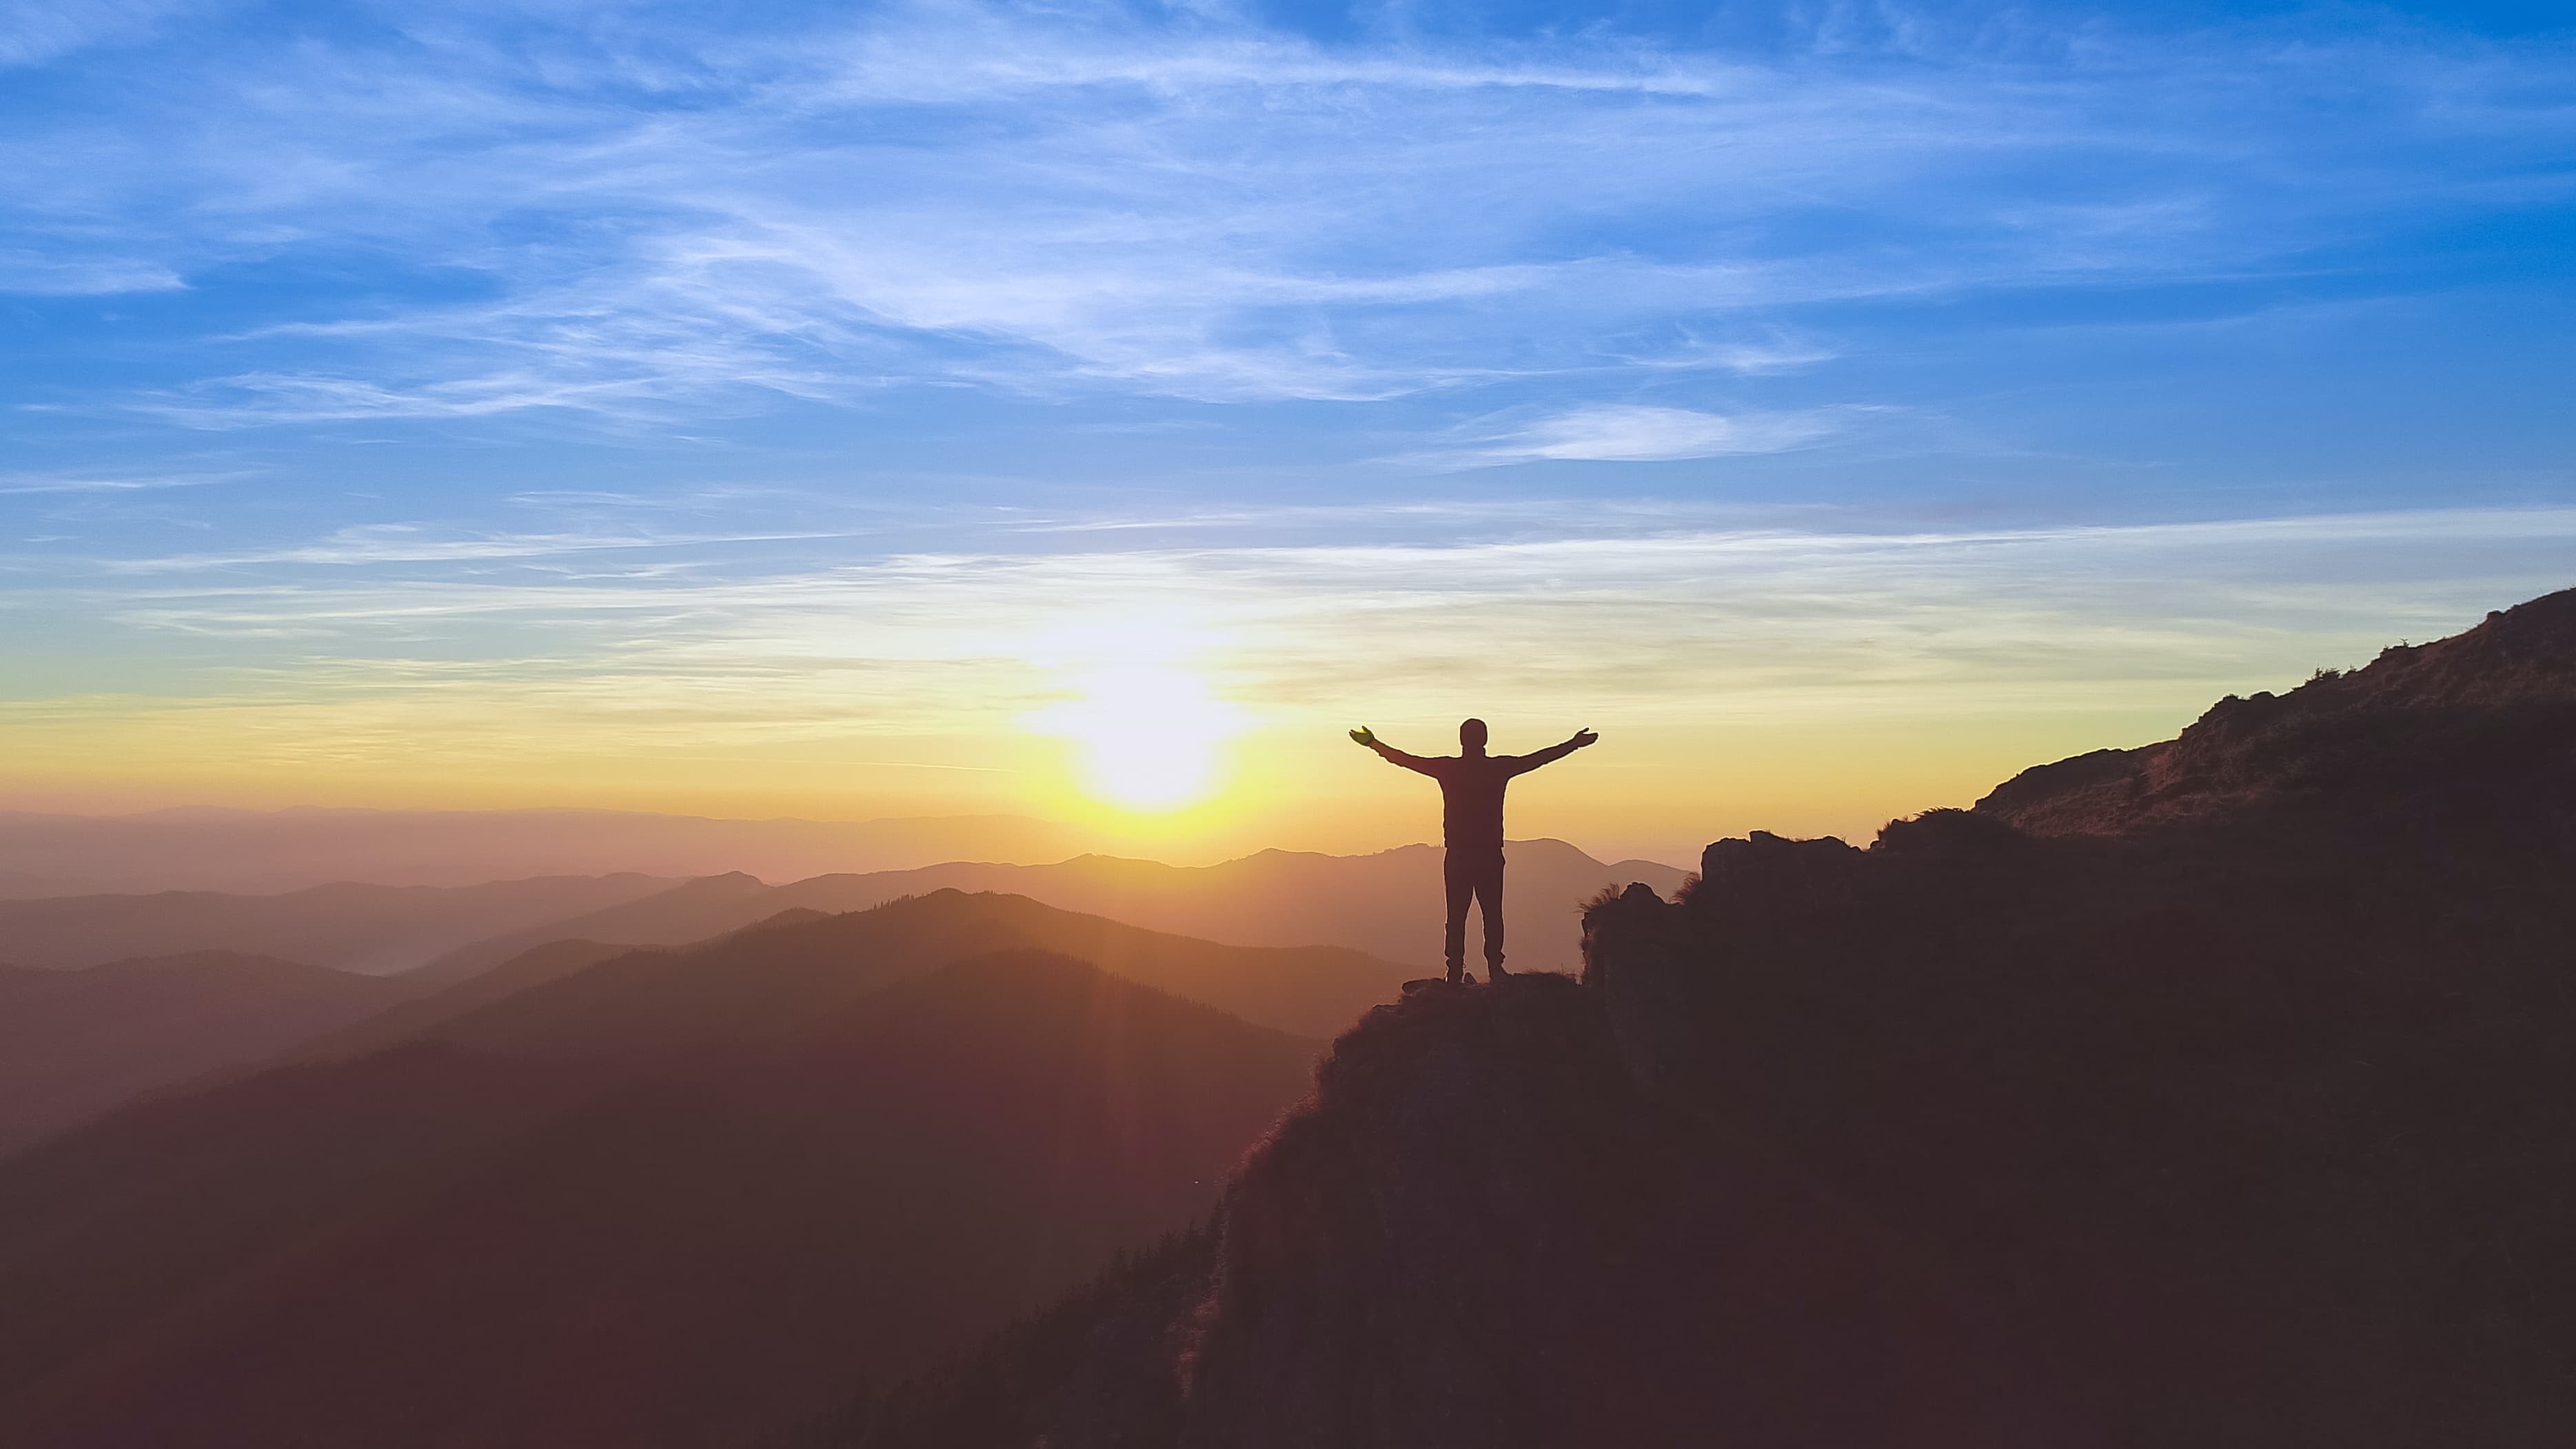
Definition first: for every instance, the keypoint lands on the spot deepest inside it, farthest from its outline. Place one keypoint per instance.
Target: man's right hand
(1585, 737)
(1361, 736)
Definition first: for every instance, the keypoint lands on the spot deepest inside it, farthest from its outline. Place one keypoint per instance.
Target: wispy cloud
(1944, 658)
(1629, 433)
(33, 274)
(1048, 200)
(402, 543)
(34, 34)
(1662, 623)
(41, 483)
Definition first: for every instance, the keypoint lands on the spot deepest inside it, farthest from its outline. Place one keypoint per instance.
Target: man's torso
(1471, 800)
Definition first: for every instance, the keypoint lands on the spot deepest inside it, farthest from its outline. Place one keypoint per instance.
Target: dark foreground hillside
(1481, 1232)
(2214, 1094)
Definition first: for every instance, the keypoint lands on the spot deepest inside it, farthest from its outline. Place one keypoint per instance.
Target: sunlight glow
(1150, 736)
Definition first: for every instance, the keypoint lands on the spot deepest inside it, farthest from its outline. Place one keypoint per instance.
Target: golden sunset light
(1329, 724)
(1149, 738)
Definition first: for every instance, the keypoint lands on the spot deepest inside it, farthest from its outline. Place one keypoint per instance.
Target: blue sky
(368, 366)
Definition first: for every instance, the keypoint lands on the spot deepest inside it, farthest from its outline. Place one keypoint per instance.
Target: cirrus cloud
(1634, 433)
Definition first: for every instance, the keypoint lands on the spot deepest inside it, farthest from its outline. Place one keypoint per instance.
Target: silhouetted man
(1471, 819)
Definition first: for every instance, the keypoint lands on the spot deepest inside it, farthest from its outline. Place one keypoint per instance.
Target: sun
(1150, 737)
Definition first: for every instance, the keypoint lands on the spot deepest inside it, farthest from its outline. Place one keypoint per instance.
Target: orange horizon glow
(1241, 780)
(1194, 707)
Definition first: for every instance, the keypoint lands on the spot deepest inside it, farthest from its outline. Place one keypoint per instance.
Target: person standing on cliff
(1471, 819)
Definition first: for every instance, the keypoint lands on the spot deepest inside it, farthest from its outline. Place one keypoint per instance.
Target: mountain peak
(732, 880)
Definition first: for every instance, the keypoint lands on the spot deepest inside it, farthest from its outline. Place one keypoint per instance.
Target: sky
(1092, 411)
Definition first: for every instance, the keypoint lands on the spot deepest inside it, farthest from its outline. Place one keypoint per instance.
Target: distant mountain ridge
(271, 851)
(1387, 904)
(1273, 900)
(655, 998)
(363, 928)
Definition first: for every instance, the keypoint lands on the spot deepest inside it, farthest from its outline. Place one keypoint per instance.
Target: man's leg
(1462, 885)
(1489, 894)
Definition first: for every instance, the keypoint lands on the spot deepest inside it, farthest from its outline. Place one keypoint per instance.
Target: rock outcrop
(1480, 1231)
(2226, 1077)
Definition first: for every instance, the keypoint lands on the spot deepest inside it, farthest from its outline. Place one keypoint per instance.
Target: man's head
(1471, 736)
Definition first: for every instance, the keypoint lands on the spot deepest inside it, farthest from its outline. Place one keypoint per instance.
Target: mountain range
(75, 1043)
(1387, 904)
(666, 1197)
(355, 927)
(190, 982)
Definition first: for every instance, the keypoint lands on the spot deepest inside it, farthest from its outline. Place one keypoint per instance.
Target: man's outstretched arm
(1523, 764)
(1390, 753)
